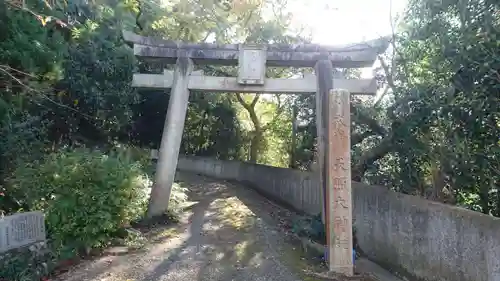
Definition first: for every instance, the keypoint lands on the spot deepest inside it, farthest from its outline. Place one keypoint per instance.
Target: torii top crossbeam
(305, 55)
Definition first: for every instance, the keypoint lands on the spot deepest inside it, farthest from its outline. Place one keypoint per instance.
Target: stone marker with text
(339, 215)
(21, 229)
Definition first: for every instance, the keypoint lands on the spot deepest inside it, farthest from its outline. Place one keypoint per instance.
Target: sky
(334, 22)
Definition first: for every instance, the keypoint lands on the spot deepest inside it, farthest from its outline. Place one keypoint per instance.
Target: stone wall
(418, 238)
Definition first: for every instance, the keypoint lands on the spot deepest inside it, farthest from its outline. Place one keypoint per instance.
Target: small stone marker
(21, 229)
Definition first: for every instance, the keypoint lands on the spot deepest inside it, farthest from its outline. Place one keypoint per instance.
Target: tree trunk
(255, 145)
(438, 185)
(256, 141)
(293, 145)
(201, 132)
(484, 198)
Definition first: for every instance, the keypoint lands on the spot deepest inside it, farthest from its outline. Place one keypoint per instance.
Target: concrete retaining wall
(418, 238)
(295, 188)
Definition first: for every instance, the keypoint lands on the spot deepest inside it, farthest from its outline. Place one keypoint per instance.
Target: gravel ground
(227, 234)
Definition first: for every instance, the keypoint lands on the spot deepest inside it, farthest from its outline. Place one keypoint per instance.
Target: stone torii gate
(332, 105)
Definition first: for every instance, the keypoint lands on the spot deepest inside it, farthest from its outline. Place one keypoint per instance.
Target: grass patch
(246, 250)
(135, 240)
(296, 256)
(159, 235)
(234, 213)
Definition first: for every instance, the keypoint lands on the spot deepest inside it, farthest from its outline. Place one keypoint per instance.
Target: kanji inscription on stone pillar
(339, 183)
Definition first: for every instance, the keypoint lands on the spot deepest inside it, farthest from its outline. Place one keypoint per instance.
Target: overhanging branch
(370, 156)
(362, 118)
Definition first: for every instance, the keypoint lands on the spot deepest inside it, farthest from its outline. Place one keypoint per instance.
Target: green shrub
(26, 264)
(86, 196)
(177, 198)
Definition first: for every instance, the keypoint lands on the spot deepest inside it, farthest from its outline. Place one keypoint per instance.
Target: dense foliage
(433, 131)
(86, 196)
(65, 75)
(443, 108)
(27, 264)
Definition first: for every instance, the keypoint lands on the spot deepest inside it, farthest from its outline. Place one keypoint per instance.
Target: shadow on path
(224, 236)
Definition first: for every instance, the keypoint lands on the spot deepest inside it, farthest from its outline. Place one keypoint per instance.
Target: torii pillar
(171, 136)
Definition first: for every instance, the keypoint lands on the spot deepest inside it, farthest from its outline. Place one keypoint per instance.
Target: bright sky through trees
(345, 21)
(333, 22)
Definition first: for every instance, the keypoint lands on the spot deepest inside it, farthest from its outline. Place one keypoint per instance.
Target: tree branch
(5, 69)
(277, 113)
(255, 100)
(388, 73)
(379, 100)
(242, 102)
(250, 108)
(367, 120)
(358, 138)
(370, 156)
(42, 18)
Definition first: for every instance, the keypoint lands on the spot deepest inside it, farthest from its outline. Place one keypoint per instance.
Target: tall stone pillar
(333, 127)
(339, 201)
(324, 83)
(171, 138)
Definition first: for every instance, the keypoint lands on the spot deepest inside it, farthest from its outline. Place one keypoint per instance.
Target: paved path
(224, 236)
(229, 232)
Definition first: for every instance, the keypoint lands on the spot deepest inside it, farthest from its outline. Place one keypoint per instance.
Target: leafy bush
(314, 229)
(311, 227)
(26, 264)
(177, 198)
(86, 196)
(22, 139)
